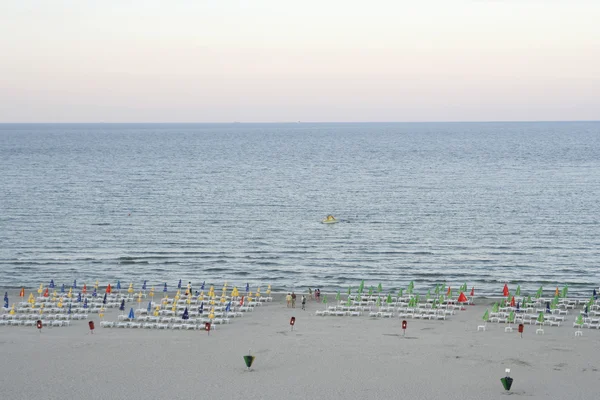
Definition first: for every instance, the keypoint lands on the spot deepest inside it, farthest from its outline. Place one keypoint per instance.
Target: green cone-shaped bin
(507, 382)
(249, 360)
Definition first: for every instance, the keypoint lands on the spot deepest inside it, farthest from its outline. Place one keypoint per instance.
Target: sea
(434, 203)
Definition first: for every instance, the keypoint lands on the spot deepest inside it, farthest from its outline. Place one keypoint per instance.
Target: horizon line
(291, 122)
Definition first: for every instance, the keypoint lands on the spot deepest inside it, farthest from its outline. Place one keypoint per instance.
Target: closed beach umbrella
(69, 310)
(539, 292)
(337, 295)
(540, 317)
(361, 287)
(179, 284)
(202, 287)
(518, 292)
(5, 301)
(564, 292)
(486, 316)
(379, 288)
(165, 288)
(51, 284)
(149, 307)
(349, 290)
(104, 299)
(62, 289)
(371, 291)
(108, 289)
(94, 293)
(75, 284)
(389, 299)
(228, 308)
(5, 296)
(595, 295)
(144, 286)
(118, 285)
(201, 308)
(247, 287)
(85, 305)
(400, 293)
(185, 314)
(79, 297)
(131, 314)
(122, 306)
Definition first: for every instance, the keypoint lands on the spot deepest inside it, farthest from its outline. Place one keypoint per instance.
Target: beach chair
(482, 327)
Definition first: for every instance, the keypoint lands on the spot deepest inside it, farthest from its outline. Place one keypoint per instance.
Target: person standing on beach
(288, 299)
(293, 300)
(310, 293)
(303, 302)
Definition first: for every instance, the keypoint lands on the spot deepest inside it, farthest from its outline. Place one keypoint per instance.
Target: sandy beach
(323, 357)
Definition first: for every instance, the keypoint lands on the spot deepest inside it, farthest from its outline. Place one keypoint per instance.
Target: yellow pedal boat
(329, 220)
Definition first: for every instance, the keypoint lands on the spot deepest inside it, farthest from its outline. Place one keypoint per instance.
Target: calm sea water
(481, 203)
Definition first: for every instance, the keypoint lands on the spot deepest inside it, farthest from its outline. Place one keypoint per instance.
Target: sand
(322, 358)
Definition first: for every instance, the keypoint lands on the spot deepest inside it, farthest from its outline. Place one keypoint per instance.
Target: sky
(317, 61)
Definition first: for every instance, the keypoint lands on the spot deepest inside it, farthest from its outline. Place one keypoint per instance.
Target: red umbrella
(108, 289)
(512, 302)
(505, 291)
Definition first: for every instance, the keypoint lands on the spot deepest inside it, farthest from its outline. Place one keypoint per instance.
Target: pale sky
(309, 60)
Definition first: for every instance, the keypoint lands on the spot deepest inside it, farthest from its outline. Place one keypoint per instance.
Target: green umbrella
(349, 290)
(324, 299)
(495, 308)
(348, 302)
(437, 289)
(518, 292)
(389, 299)
(486, 316)
(371, 291)
(538, 294)
(579, 320)
(400, 294)
(337, 296)
(361, 286)
(380, 288)
(540, 317)
(564, 292)
(511, 317)
(378, 303)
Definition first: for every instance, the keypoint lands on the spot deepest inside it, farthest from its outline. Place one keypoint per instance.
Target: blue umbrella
(79, 297)
(518, 305)
(595, 295)
(122, 306)
(247, 287)
(179, 284)
(85, 303)
(202, 287)
(201, 309)
(51, 284)
(149, 306)
(5, 302)
(144, 286)
(547, 306)
(5, 296)
(118, 285)
(69, 310)
(228, 308)
(585, 312)
(165, 288)
(131, 314)
(62, 289)
(185, 314)
(95, 294)
(75, 284)
(104, 299)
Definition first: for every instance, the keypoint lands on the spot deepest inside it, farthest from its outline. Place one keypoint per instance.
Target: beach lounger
(107, 324)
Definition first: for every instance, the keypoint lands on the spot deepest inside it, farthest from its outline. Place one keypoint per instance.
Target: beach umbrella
(46, 294)
(101, 313)
(358, 298)
(528, 299)
(389, 299)
(505, 290)
(486, 316)
(518, 307)
(62, 289)
(349, 290)
(179, 284)
(565, 292)
(540, 317)
(104, 299)
(185, 314)
(12, 310)
(201, 308)
(144, 285)
(94, 293)
(84, 290)
(118, 285)
(462, 298)
(151, 292)
(371, 291)
(585, 310)
(595, 295)
(324, 299)
(539, 292)
(69, 310)
(75, 284)
(512, 301)
(337, 295)
(511, 317)
(85, 305)
(518, 292)
(5, 301)
(579, 320)
(96, 285)
(378, 302)
(51, 286)
(122, 306)
(548, 307)
(40, 289)
(411, 285)
(79, 297)
(557, 292)
(165, 288)
(495, 308)
(247, 287)
(202, 286)
(361, 287)
(400, 293)
(130, 289)
(437, 289)
(156, 311)
(109, 289)
(473, 291)
(149, 307)
(5, 296)
(131, 314)
(379, 288)
(348, 303)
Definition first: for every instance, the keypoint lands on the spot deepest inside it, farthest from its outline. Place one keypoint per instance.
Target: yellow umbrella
(152, 292)
(60, 304)
(156, 313)
(31, 299)
(40, 290)
(222, 299)
(130, 290)
(70, 294)
(101, 313)
(174, 307)
(12, 310)
(268, 290)
(139, 300)
(96, 285)
(201, 297)
(165, 300)
(41, 308)
(189, 300)
(212, 313)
